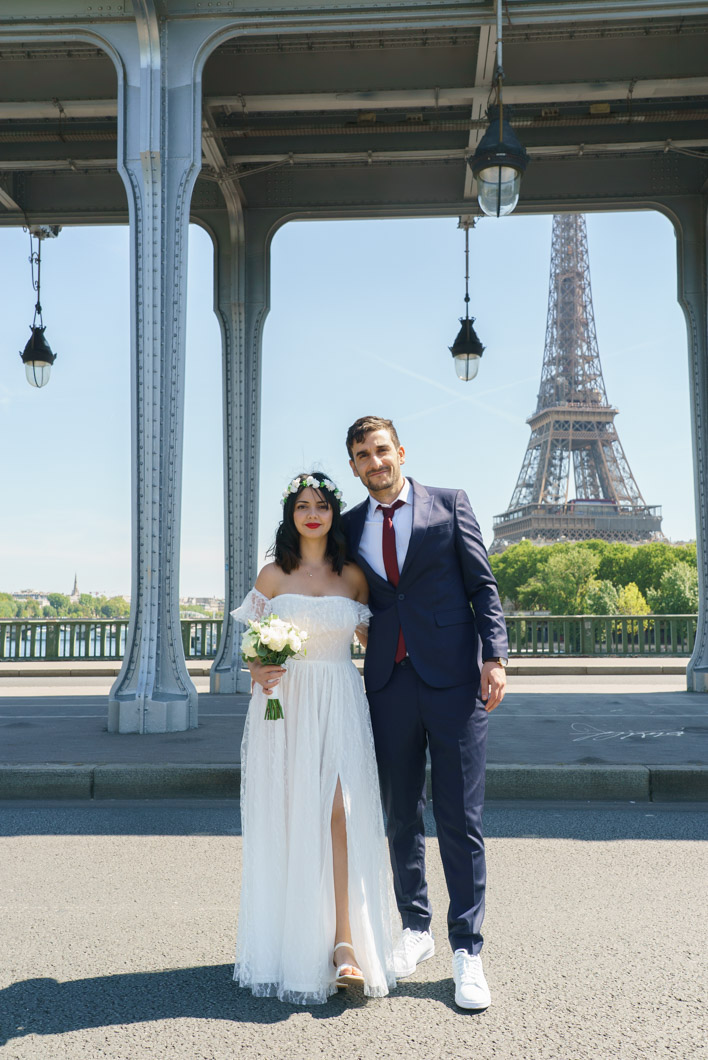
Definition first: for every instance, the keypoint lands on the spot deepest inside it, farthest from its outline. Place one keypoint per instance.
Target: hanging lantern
(37, 355)
(500, 161)
(467, 349)
(38, 358)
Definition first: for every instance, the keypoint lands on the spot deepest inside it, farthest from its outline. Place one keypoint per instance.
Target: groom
(434, 668)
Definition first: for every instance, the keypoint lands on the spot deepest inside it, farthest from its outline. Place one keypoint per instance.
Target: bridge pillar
(159, 158)
(241, 304)
(692, 239)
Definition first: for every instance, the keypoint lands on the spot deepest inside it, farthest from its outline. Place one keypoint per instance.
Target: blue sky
(362, 314)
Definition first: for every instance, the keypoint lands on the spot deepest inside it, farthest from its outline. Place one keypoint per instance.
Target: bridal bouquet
(271, 641)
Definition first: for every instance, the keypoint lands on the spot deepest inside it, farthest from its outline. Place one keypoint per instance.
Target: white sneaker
(471, 990)
(412, 948)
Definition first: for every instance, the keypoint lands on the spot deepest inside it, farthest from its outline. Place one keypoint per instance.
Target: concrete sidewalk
(629, 736)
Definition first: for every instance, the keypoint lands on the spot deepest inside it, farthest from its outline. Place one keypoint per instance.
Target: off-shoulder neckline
(306, 596)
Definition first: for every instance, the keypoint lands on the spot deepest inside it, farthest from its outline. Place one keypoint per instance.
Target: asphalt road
(119, 921)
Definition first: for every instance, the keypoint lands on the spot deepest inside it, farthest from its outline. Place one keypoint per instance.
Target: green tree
(517, 565)
(686, 553)
(59, 603)
(87, 606)
(648, 564)
(115, 607)
(8, 606)
(29, 609)
(630, 601)
(561, 584)
(677, 593)
(601, 598)
(615, 563)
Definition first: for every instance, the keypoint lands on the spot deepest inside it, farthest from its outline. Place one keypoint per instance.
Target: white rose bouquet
(271, 641)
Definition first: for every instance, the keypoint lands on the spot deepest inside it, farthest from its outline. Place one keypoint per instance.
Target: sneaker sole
(411, 968)
(472, 1007)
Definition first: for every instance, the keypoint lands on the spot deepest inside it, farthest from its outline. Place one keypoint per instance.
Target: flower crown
(310, 480)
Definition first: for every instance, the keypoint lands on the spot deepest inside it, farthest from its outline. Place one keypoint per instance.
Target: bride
(317, 910)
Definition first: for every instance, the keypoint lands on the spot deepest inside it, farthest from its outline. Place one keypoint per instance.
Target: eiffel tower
(574, 424)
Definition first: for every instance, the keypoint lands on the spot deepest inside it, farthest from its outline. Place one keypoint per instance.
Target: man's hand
(493, 684)
(266, 676)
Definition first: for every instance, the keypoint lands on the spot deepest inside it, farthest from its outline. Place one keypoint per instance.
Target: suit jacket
(446, 569)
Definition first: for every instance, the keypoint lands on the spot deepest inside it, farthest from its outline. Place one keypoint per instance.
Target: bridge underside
(376, 119)
(163, 111)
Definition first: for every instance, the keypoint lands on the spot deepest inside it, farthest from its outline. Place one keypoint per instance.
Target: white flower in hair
(326, 484)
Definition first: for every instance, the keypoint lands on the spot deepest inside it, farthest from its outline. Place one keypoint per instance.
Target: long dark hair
(286, 549)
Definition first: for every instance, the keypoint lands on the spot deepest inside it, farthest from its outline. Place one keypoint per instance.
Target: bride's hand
(266, 676)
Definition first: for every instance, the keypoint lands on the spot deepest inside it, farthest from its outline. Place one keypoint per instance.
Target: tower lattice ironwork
(573, 425)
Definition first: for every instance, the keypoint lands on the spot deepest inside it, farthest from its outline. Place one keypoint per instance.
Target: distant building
(208, 603)
(31, 594)
(75, 594)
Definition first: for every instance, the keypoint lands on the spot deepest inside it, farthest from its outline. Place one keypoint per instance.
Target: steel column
(241, 304)
(692, 247)
(159, 158)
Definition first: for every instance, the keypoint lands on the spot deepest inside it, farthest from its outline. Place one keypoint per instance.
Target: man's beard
(383, 481)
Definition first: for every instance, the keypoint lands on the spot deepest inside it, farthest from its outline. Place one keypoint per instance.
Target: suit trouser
(407, 716)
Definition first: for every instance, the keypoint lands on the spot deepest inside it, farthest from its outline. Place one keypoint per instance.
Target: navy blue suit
(432, 700)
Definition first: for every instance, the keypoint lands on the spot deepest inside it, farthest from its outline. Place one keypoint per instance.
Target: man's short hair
(365, 425)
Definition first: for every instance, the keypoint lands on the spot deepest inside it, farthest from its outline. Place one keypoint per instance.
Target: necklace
(309, 572)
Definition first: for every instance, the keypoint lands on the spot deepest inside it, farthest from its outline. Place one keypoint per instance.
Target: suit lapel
(357, 519)
(422, 505)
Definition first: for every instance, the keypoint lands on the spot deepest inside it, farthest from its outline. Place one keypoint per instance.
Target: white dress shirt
(371, 544)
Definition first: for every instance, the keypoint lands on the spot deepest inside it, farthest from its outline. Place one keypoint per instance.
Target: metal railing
(92, 638)
(601, 634)
(618, 635)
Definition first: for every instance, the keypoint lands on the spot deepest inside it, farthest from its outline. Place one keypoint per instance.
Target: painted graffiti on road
(584, 731)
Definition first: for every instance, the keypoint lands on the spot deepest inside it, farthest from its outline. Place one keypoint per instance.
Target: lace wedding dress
(289, 772)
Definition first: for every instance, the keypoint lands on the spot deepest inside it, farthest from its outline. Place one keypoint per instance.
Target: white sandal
(354, 976)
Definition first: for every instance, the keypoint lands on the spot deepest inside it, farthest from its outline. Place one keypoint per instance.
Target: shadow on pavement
(48, 1007)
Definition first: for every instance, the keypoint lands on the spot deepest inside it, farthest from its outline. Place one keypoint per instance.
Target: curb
(524, 782)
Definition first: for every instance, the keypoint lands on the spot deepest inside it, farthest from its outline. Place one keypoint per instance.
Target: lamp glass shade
(498, 165)
(498, 189)
(38, 372)
(466, 350)
(38, 358)
(466, 366)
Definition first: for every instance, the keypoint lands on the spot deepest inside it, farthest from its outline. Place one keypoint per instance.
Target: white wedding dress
(289, 772)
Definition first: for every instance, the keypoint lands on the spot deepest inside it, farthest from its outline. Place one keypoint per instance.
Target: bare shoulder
(356, 582)
(268, 579)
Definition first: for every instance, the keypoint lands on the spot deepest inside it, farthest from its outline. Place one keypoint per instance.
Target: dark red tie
(391, 561)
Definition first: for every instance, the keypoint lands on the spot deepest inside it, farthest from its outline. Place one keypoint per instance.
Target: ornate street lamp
(37, 355)
(500, 161)
(467, 349)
